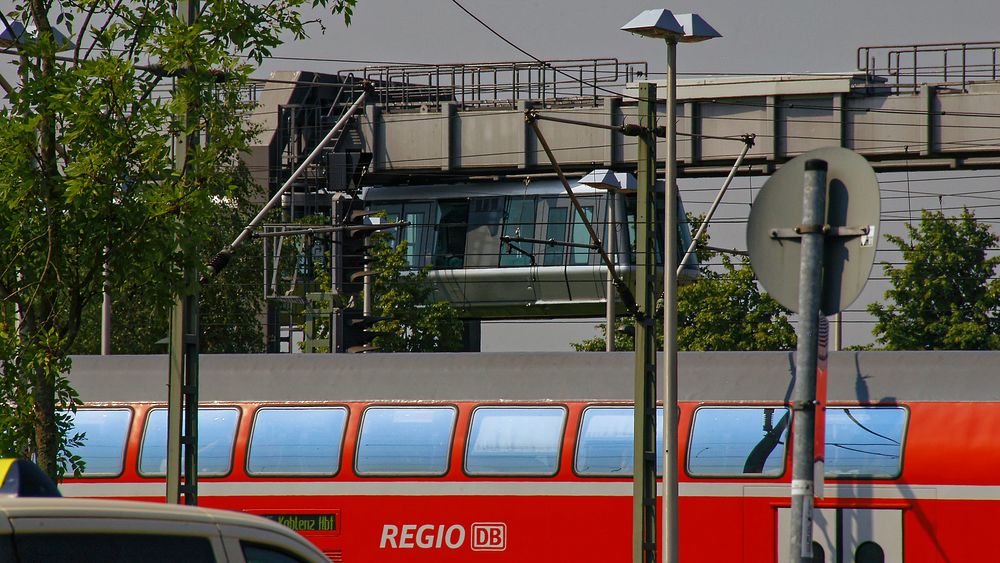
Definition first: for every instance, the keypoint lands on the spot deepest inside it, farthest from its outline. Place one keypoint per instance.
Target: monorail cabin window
(864, 442)
(216, 434)
(296, 441)
(515, 441)
(606, 445)
(405, 440)
(738, 441)
(452, 224)
(556, 227)
(519, 220)
(104, 433)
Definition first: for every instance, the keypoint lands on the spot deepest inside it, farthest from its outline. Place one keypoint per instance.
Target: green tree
(720, 311)
(229, 305)
(415, 322)
(87, 174)
(945, 295)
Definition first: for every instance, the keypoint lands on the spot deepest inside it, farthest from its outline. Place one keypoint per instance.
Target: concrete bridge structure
(924, 108)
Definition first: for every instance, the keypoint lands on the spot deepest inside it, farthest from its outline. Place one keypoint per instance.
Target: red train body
(911, 454)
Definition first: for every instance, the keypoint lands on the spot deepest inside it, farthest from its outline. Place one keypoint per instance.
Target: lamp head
(695, 28)
(604, 179)
(655, 23)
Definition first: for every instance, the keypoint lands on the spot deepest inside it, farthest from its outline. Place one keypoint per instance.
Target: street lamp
(613, 182)
(686, 28)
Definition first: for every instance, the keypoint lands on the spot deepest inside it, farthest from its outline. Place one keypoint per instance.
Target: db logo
(489, 536)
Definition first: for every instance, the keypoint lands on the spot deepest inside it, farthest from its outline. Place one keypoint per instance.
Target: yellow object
(21, 478)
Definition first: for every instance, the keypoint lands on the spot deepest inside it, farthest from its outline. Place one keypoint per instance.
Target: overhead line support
(531, 117)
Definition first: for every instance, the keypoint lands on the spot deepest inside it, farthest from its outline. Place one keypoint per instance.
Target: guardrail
(951, 64)
(499, 84)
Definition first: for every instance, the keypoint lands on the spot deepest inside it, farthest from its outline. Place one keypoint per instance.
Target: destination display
(299, 522)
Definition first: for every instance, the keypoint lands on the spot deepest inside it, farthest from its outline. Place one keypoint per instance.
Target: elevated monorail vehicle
(459, 230)
(528, 457)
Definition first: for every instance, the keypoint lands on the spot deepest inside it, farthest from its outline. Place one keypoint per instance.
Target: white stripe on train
(523, 488)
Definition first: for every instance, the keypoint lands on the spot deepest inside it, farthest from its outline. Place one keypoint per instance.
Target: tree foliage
(945, 296)
(414, 321)
(721, 310)
(229, 305)
(87, 175)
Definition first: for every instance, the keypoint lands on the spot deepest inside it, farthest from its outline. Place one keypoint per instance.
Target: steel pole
(644, 454)
(807, 334)
(609, 336)
(671, 414)
(106, 306)
(182, 382)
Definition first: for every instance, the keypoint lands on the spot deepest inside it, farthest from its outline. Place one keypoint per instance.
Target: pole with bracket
(531, 116)
(182, 385)
(644, 526)
(812, 230)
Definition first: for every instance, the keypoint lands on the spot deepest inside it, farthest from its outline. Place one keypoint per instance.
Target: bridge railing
(500, 84)
(952, 64)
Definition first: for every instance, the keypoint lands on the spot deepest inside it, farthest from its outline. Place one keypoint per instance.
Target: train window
(105, 432)
(581, 256)
(296, 441)
(555, 229)
(515, 441)
(483, 237)
(864, 442)
(519, 220)
(417, 233)
(606, 445)
(405, 440)
(449, 248)
(738, 441)
(216, 434)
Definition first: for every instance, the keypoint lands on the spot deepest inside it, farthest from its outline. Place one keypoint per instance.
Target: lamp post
(613, 182)
(686, 28)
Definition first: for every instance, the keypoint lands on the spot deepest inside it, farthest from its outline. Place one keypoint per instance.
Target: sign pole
(812, 232)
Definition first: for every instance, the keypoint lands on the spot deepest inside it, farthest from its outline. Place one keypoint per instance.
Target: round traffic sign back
(849, 248)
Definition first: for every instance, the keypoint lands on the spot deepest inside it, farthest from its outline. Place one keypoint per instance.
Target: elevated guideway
(905, 107)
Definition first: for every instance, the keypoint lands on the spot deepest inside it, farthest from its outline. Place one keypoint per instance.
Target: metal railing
(951, 64)
(500, 84)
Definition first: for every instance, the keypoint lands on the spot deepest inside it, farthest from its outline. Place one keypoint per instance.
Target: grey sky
(774, 36)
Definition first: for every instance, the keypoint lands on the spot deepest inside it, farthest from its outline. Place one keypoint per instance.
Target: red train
(528, 457)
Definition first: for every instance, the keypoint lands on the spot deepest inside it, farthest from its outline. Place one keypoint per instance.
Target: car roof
(22, 507)
(12, 507)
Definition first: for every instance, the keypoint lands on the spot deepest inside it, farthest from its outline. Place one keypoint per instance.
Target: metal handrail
(906, 65)
(499, 84)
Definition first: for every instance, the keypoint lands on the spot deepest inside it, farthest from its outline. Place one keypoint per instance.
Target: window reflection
(296, 441)
(216, 434)
(606, 447)
(105, 432)
(727, 441)
(864, 441)
(515, 441)
(405, 440)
